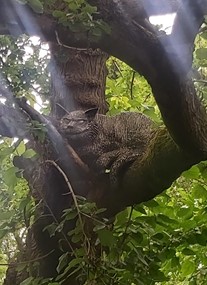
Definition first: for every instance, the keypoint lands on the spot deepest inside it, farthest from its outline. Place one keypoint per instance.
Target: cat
(107, 144)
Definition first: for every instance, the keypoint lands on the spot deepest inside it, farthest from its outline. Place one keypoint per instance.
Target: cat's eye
(65, 120)
(77, 121)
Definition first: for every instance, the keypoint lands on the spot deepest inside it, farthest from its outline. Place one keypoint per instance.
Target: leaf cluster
(79, 16)
(162, 241)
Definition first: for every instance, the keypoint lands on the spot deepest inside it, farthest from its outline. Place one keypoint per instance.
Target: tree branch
(158, 58)
(149, 176)
(12, 123)
(188, 20)
(61, 153)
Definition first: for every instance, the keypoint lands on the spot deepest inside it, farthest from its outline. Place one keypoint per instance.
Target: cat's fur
(105, 142)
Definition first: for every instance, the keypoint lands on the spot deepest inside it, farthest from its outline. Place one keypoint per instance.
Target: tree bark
(59, 173)
(78, 78)
(78, 81)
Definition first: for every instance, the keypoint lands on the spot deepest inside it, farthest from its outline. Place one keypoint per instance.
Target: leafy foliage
(128, 91)
(162, 241)
(14, 201)
(79, 16)
(23, 65)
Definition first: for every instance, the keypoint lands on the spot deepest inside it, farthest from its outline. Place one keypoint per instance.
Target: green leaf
(175, 261)
(204, 173)
(193, 282)
(106, 237)
(158, 236)
(27, 281)
(203, 166)
(73, 6)
(150, 112)
(185, 213)
(58, 14)
(36, 6)
(141, 258)
(192, 173)
(204, 35)
(138, 236)
(63, 260)
(51, 228)
(122, 217)
(5, 152)
(3, 232)
(99, 227)
(74, 262)
(166, 219)
(101, 210)
(71, 215)
(152, 204)
(89, 9)
(187, 268)
(157, 274)
(201, 53)
(191, 239)
(188, 251)
(139, 208)
(24, 202)
(21, 148)
(29, 153)
(6, 215)
(76, 238)
(147, 219)
(199, 192)
(10, 178)
(201, 239)
(170, 253)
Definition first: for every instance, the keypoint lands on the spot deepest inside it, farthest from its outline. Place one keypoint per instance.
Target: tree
(78, 79)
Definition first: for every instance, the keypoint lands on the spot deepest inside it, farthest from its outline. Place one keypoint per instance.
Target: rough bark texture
(78, 80)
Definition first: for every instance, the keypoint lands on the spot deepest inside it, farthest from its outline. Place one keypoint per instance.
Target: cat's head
(78, 124)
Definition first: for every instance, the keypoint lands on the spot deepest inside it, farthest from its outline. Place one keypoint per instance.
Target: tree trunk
(78, 82)
(78, 78)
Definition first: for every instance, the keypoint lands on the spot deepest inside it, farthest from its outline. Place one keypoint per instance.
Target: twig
(62, 107)
(55, 220)
(117, 67)
(126, 228)
(26, 261)
(68, 47)
(94, 219)
(73, 196)
(131, 85)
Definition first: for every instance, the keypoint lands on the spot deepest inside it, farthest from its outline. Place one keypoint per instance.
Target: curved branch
(13, 123)
(188, 20)
(165, 62)
(158, 58)
(16, 18)
(63, 154)
(149, 176)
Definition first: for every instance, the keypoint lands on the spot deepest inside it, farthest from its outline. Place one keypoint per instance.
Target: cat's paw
(119, 166)
(105, 161)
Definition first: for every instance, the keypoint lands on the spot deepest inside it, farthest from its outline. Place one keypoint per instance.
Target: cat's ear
(91, 113)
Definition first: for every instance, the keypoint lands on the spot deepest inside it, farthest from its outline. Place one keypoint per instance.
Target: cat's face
(77, 124)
